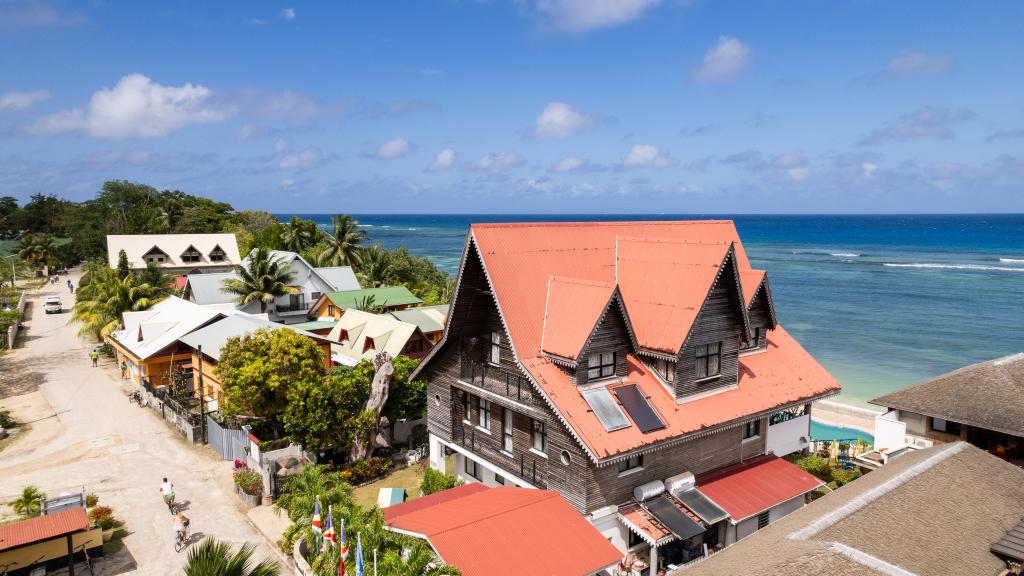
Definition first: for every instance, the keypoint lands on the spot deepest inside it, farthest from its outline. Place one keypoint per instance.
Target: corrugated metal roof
(42, 528)
(745, 490)
(507, 531)
(389, 335)
(315, 325)
(571, 313)
(339, 277)
(136, 246)
(383, 296)
(429, 319)
(213, 337)
(208, 288)
(147, 332)
(1011, 545)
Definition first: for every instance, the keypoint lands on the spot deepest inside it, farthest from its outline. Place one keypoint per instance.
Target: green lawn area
(409, 478)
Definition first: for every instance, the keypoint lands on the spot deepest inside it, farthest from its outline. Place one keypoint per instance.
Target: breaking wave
(844, 254)
(980, 267)
(1012, 260)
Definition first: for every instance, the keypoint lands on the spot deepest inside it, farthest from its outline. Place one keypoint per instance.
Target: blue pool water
(821, 431)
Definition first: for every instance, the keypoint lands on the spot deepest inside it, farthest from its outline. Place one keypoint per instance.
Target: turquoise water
(881, 301)
(821, 431)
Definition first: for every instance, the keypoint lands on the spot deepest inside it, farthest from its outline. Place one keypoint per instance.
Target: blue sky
(521, 105)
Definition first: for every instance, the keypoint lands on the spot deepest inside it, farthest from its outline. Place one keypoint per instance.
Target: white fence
(11, 334)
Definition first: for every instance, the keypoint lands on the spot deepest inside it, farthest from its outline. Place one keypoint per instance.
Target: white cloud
(307, 158)
(136, 108)
(645, 156)
(36, 14)
(559, 120)
(444, 159)
(723, 62)
(926, 123)
(287, 13)
(868, 170)
(794, 165)
(499, 162)
(287, 184)
(583, 15)
(909, 63)
(15, 101)
(569, 164)
(280, 146)
(394, 148)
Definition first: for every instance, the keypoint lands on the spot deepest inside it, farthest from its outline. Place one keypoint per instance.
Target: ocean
(881, 301)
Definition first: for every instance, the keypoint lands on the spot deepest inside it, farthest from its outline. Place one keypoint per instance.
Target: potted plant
(248, 484)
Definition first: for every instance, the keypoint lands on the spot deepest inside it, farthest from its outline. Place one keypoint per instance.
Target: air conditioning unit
(680, 482)
(649, 490)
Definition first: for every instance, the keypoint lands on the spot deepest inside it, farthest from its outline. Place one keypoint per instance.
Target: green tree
(343, 243)
(298, 493)
(373, 270)
(299, 234)
(37, 249)
(44, 214)
(154, 276)
(28, 503)
(215, 558)
(260, 279)
(368, 303)
(258, 370)
(103, 298)
(435, 481)
(123, 269)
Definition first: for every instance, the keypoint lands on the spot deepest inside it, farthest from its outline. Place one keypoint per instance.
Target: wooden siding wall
(719, 320)
(760, 317)
(610, 335)
(606, 487)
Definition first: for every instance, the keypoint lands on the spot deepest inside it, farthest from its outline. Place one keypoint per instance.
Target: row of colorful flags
(326, 536)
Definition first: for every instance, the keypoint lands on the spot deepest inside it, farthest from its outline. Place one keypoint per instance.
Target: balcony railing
(494, 378)
(292, 307)
(527, 465)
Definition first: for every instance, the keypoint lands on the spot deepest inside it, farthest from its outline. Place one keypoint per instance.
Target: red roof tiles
(745, 490)
(567, 301)
(42, 528)
(506, 531)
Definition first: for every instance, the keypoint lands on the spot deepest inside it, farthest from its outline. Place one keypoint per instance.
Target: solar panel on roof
(701, 505)
(606, 409)
(639, 410)
(673, 518)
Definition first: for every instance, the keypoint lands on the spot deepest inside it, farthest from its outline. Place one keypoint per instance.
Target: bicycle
(171, 505)
(182, 538)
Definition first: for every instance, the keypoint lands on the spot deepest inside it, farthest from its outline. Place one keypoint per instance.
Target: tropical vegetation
(261, 278)
(28, 504)
(104, 296)
(215, 558)
(342, 246)
(435, 481)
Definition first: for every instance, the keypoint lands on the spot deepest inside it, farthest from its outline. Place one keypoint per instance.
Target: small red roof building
(41, 528)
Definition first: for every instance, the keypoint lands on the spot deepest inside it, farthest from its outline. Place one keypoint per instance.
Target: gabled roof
(389, 335)
(744, 490)
(932, 511)
(427, 318)
(987, 395)
(161, 325)
(213, 336)
(505, 531)
(42, 528)
(209, 288)
(752, 281)
(173, 245)
(339, 277)
(383, 296)
(570, 314)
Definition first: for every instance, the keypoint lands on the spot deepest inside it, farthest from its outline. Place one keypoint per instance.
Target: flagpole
(374, 562)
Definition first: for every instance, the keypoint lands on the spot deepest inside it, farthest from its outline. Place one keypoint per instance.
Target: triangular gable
(573, 309)
(150, 331)
(751, 280)
(154, 251)
(191, 248)
(761, 296)
(664, 284)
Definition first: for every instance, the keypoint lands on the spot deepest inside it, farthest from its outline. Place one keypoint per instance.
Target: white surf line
(871, 495)
(865, 559)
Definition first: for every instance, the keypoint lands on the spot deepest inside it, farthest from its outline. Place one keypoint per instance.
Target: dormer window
(217, 254)
(755, 339)
(191, 255)
(601, 365)
(709, 360)
(368, 344)
(344, 335)
(666, 369)
(155, 256)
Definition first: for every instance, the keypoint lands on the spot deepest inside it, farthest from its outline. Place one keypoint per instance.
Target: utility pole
(202, 394)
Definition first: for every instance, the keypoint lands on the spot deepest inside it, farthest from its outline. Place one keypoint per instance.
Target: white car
(52, 305)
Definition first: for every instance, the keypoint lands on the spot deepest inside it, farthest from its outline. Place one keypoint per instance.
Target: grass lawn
(409, 478)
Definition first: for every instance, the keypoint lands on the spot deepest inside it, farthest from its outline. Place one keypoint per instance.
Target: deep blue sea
(881, 301)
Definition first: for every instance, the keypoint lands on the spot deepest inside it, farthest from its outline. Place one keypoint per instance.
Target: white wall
(784, 438)
(787, 507)
(889, 431)
(611, 528)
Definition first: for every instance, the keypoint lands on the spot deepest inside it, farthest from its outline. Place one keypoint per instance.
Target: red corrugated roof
(664, 271)
(636, 518)
(42, 528)
(568, 301)
(745, 490)
(508, 531)
(417, 504)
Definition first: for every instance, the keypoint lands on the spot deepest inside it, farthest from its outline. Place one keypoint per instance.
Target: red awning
(744, 490)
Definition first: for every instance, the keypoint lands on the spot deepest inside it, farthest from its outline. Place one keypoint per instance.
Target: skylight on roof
(606, 409)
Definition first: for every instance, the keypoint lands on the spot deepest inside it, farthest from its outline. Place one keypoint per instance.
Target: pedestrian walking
(95, 357)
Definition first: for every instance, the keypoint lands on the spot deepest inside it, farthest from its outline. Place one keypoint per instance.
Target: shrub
(842, 477)
(434, 481)
(106, 522)
(844, 446)
(419, 432)
(815, 465)
(365, 470)
(248, 481)
(102, 516)
(91, 499)
(6, 421)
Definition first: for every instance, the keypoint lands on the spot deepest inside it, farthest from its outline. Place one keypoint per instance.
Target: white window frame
(703, 354)
(507, 419)
(467, 404)
(483, 415)
(542, 433)
(495, 350)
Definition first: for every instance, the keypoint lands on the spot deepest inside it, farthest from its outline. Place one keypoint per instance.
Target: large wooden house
(635, 367)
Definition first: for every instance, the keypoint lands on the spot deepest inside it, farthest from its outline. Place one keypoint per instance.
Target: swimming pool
(821, 431)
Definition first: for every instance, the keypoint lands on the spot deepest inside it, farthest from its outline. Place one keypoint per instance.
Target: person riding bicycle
(181, 523)
(167, 489)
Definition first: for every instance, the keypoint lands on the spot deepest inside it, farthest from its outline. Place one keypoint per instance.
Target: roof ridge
(600, 223)
(581, 281)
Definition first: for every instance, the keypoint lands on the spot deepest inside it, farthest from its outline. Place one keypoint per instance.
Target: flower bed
(365, 470)
(248, 484)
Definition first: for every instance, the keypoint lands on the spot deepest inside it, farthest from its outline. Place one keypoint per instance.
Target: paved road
(114, 449)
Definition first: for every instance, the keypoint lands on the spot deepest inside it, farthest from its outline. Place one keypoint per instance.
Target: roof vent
(680, 482)
(649, 490)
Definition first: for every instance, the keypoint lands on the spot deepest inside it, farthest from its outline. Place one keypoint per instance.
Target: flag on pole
(343, 541)
(329, 532)
(317, 525)
(341, 565)
(359, 554)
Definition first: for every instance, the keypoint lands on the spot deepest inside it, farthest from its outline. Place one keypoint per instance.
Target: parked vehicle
(52, 305)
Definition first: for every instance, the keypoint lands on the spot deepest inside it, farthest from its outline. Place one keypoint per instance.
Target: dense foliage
(261, 279)
(28, 503)
(434, 481)
(104, 296)
(214, 558)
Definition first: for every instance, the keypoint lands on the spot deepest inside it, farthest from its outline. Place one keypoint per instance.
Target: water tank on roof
(680, 482)
(648, 490)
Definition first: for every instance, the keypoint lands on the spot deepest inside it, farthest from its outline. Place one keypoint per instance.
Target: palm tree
(261, 279)
(103, 300)
(374, 262)
(36, 249)
(299, 492)
(214, 558)
(344, 243)
(369, 304)
(397, 555)
(298, 235)
(28, 503)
